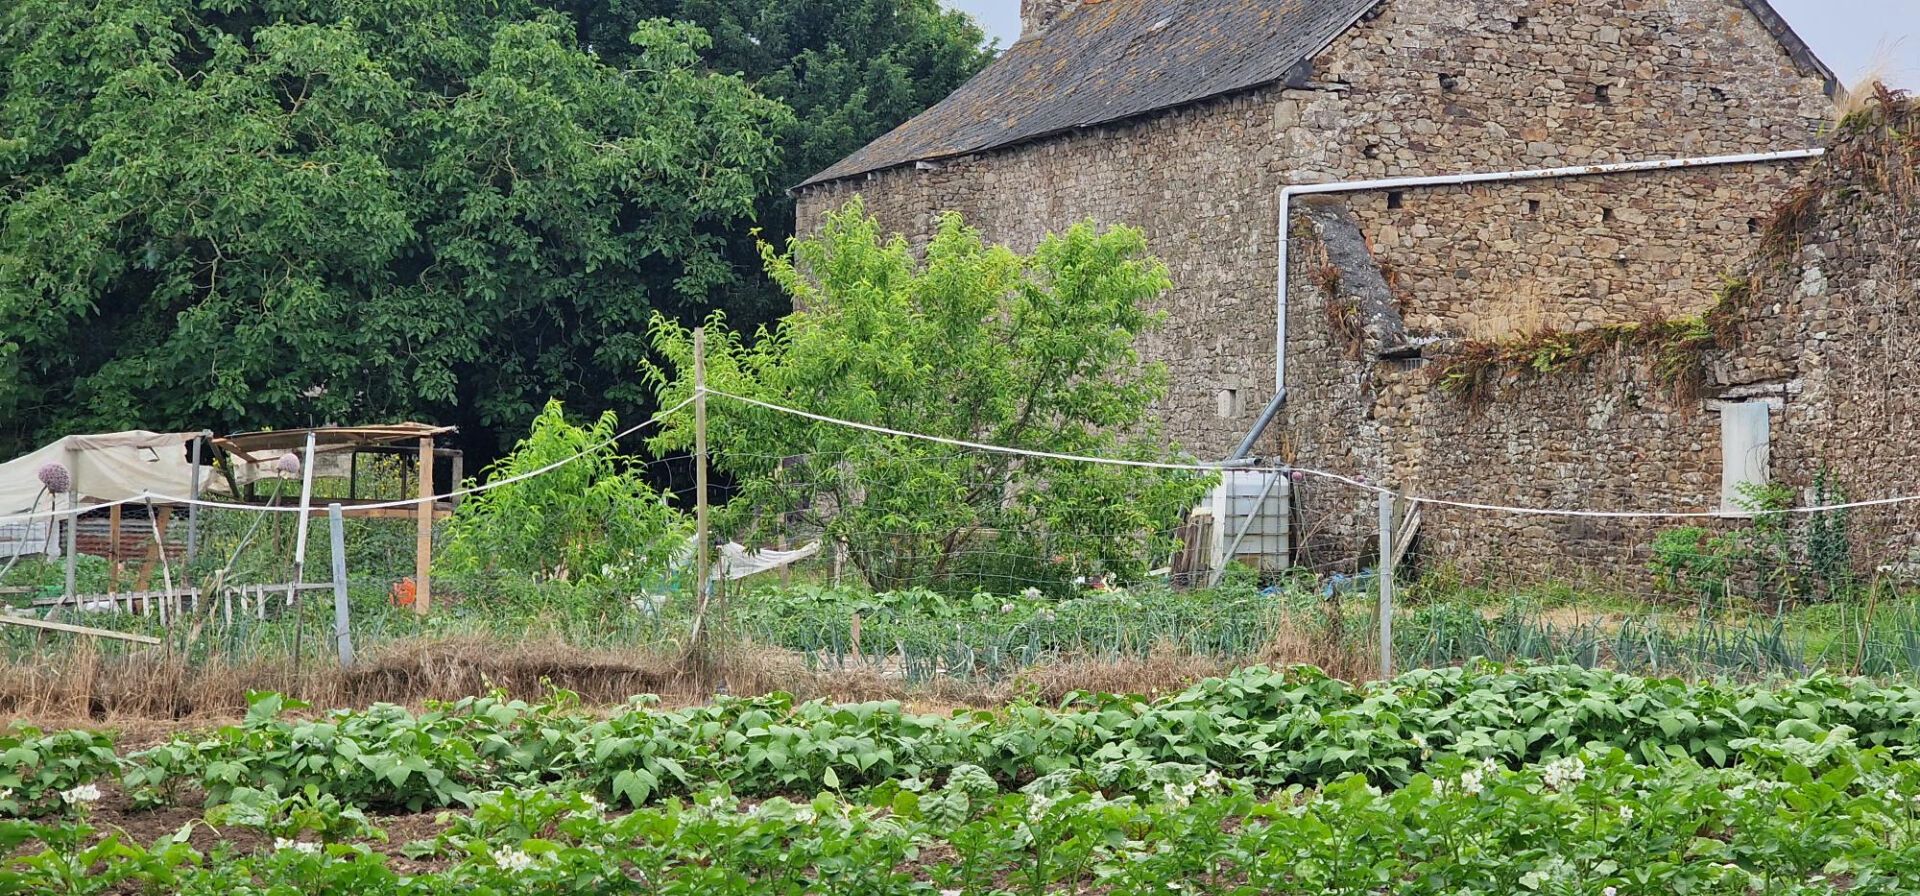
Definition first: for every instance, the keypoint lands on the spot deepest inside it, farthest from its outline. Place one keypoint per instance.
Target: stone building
(1187, 118)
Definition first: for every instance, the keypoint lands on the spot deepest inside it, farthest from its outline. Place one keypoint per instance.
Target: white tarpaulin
(111, 467)
(736, 562)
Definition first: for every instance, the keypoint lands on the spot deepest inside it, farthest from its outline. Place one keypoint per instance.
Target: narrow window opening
(1372, 151)
(1533, 206)
(1449, 82)
(1606, 214)
(1603, 94)
(1520, 23)
(1718, 94)
(1753, 225)
(1396, 199)
(1746, 446)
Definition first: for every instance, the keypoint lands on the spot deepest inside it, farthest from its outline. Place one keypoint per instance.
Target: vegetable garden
(1480, 780)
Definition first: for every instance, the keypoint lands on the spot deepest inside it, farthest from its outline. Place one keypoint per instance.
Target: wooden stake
(300, 552)
(701, 565)
(423, 534)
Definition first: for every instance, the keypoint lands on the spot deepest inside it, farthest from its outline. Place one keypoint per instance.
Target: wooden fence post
(423, 534)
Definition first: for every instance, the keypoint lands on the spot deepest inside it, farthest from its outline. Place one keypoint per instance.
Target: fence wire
(1803, 581)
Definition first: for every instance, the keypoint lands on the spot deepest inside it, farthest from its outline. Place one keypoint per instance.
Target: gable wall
(1201, 182)
(1825, 340)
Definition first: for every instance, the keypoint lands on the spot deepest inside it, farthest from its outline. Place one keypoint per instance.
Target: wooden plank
(76, 629)
(423, 534)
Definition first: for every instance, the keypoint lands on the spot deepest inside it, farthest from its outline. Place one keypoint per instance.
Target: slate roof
(1110, 60)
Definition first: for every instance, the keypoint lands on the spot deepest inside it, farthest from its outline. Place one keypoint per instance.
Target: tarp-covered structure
(108, 467)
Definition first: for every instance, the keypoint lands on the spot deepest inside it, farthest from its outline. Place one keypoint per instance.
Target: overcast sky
(1853, 36)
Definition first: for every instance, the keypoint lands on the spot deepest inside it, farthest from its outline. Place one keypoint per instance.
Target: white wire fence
(993, 587)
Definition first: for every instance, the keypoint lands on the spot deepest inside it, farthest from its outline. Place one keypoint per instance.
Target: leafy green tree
(851, 70)
(227, 214)
(974, 343)
(589, 519)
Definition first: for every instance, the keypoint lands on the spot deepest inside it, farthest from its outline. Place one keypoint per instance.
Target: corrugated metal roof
(1109, 60)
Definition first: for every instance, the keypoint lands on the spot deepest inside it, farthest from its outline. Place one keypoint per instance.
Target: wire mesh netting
(925, 561)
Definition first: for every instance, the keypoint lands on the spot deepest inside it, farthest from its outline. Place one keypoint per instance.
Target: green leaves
(364, 211)
(972, 343)
(36, 767)
(589, 519)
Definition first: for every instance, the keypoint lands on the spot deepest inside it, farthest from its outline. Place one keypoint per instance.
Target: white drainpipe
(1359, 186)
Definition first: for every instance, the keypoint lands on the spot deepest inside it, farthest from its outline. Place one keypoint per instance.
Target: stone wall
(1822, 335)
(1829, 333)
(1422, 87)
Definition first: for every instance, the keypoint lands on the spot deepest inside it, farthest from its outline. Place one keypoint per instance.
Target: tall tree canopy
(851, 70)
(230, 214)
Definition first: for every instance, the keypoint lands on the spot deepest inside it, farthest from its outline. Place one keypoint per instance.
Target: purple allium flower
(56, 478)
(1298, 476)
(288, 463)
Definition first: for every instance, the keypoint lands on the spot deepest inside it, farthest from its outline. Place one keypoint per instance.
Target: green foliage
(1553, 781)
(851, 70)
(1782, 563)
(384, 758)
(1829, 537)
(1800, 816)
(73, 862)
(1692, 561)
(215, 214)
(308, 811)
(1687, 642)
(36, 767)
(49, 577)
(974, 343)
(594, 518)
(1271, 728)
(925, 635)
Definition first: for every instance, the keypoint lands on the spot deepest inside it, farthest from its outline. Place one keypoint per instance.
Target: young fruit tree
(593, 518)
(973, 342)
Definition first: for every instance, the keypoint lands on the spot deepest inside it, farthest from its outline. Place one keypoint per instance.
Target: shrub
(590, 518)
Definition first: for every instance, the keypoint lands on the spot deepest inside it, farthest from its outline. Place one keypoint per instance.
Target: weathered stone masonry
(1420, 87)
(1819, 330)
(1427, 87)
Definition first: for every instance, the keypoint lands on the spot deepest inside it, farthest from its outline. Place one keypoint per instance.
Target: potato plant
(1591, 823)
(1274, 728)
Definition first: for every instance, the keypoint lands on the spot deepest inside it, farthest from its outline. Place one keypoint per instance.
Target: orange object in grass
(403, 593)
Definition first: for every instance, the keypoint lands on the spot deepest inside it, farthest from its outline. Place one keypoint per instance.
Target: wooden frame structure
(414, 441)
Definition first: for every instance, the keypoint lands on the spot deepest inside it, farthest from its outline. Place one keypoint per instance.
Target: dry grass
(153, 691)
(1475, 369)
